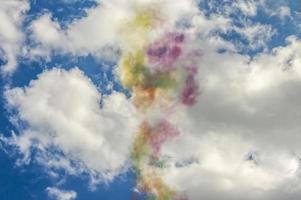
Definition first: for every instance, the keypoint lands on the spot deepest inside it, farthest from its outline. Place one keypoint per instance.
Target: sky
(150, 99)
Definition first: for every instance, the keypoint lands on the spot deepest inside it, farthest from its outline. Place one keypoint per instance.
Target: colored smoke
(158, 74)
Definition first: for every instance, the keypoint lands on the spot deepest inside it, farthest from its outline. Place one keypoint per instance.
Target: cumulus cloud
(241, 139)
(11, 34)
(58, 194)
(61, 110)
(100, 30)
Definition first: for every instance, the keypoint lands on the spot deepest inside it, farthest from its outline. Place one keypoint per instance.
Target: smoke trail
(160, 72)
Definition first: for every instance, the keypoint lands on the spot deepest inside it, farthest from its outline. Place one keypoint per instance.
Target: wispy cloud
(58, 194)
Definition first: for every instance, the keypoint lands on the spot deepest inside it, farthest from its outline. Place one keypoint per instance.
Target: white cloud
(62, 110)
(102, 27)
(47, 30)
(257, 35)
(283, 12)
(11, 35)
(241, 140)
(248, 7)
(58, 194)
(237, 17)
(240, 8)
(207, 25)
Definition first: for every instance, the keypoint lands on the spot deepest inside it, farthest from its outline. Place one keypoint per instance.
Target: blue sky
(271, 25)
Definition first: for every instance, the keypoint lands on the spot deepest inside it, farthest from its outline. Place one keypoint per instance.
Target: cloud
(257, 35)
(67, 127)
(58, 194)
(100, 31)
(282, 12)
(11, 35)
(240, 24)
(241, 139)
